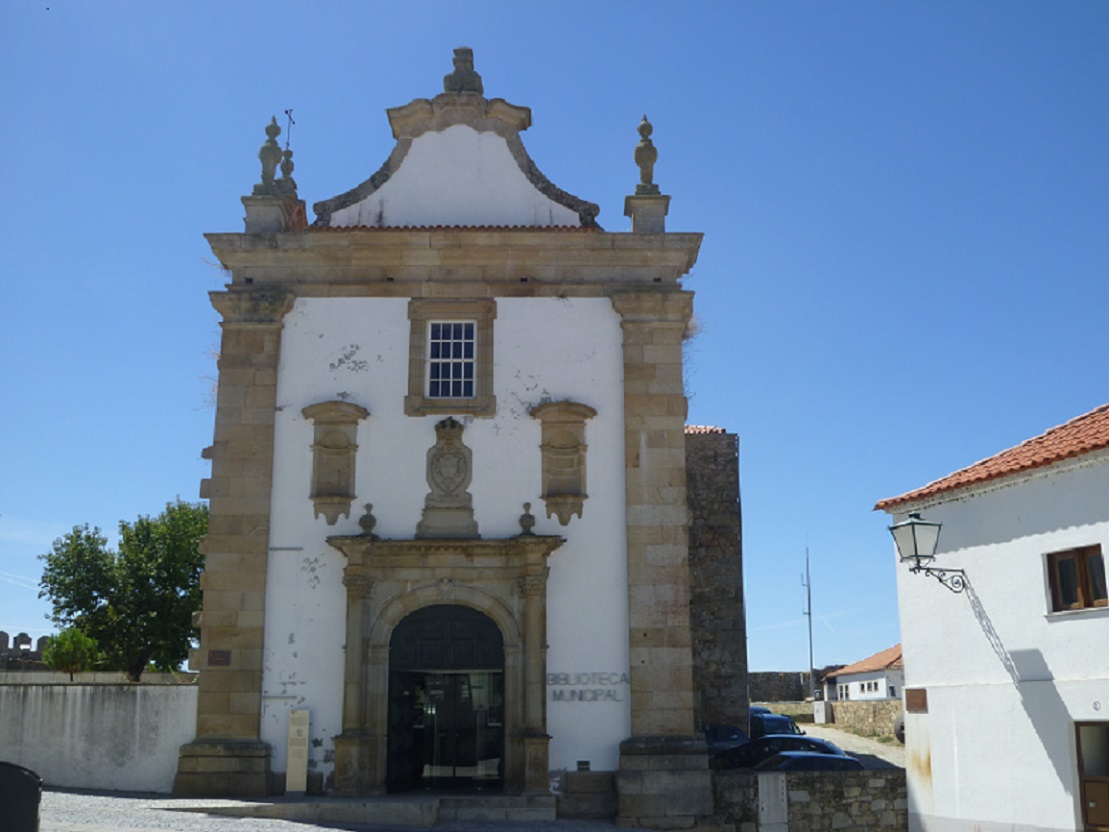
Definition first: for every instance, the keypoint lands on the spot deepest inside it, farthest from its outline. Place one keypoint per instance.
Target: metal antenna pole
(806, 581)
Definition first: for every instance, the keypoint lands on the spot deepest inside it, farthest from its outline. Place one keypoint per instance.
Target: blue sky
(904, 270)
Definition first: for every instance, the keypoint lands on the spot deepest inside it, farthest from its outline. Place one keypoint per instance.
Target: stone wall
(860, 801)
(716, 577)
(21, 652)
(736, 800)
(777, 687)
(112, 737)
(873, 717)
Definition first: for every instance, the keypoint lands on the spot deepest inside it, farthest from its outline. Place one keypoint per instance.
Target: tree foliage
(71, 651)
(137, 603)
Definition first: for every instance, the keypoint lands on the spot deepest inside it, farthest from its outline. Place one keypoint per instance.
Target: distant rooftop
(703, 429)
(888, 659)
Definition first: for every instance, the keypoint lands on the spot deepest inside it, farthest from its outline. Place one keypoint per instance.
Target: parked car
(763, 724)
(759, 709)
(754, 752)
(722, 737)
(808, 761)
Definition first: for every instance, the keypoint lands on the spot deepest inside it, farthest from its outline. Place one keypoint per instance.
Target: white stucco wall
(356, 350)
(1006, 678)
(431, 187)
(113, 737)
(883, 679)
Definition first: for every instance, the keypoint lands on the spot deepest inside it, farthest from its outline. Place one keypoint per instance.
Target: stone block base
(663, 783)
(588, 794)
(228, 768)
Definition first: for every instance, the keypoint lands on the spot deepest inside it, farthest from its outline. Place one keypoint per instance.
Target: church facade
(448, 504)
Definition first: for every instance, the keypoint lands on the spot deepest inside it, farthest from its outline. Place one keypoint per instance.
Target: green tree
(137, 603)
(71, 651)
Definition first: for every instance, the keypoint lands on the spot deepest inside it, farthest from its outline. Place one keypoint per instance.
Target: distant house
(1007, 675)
(880, 676)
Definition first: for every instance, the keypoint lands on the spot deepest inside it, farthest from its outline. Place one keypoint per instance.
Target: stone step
(514, 808)
(416, 811)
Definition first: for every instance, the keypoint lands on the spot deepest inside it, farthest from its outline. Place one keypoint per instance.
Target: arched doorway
(446, 701)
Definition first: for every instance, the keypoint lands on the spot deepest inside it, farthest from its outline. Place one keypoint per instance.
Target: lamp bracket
(953, 579)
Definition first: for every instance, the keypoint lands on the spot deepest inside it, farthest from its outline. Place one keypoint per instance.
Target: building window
(450, 358)
(1077, 579)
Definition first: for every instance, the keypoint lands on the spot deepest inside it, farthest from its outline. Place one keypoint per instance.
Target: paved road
(68, 811)
(872, 754)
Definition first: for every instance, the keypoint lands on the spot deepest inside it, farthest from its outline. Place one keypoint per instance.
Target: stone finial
(646, 154)
(286, 184)
(270, 155)
(647, 207)
(367, 522)
(464, 78)
(527, 520)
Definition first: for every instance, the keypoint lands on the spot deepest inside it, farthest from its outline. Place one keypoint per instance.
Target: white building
(881, 676)
(448, 496)
(1007, 681)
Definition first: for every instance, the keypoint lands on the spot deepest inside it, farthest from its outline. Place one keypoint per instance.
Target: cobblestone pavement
(871, 753)
(71, 811)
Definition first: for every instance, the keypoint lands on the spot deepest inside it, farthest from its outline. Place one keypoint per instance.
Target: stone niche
(334, 449)
(563, 448)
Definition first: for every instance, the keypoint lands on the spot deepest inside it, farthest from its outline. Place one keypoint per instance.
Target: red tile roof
(1081, 435)
(889, 659)
(553, 228)
(703, 429)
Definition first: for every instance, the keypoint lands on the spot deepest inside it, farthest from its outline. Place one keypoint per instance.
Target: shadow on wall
(1034, 681)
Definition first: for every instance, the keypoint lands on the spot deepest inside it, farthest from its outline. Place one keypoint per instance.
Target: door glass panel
(446, 701)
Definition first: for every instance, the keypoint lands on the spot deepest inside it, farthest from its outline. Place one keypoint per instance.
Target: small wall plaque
(916, 700)
(219, 658)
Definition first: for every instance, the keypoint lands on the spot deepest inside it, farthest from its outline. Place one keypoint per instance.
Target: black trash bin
(20, 794)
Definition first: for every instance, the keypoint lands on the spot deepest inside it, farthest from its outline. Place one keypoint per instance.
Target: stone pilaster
(228, 757)
(664, 781)
(658, 570)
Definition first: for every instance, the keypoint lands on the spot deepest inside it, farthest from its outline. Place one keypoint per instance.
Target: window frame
(422, 313)
(1081, 557)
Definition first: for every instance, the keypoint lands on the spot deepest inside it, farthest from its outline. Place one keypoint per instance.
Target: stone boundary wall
(105, 677)
(717, 616)
(860, 801)
(111, 737)
(777, 687)
(874, 717)
(736, 800)
(797, 711)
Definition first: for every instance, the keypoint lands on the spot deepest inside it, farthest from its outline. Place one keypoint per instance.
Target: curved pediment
(458, 161)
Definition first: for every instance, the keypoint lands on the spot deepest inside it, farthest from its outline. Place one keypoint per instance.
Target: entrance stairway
(412, 810)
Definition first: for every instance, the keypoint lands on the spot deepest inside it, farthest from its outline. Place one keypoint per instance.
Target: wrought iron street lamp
(916, 541)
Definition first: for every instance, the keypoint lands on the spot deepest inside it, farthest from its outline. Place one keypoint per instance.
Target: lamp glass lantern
(916, 540)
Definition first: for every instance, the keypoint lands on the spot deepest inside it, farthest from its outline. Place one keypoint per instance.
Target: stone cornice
(447, 109)
(505, 262)
(264, 306)
(510, 552)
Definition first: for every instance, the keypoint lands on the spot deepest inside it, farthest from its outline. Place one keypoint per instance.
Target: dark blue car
(754, 752)
(807, 761)
(763, 724)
